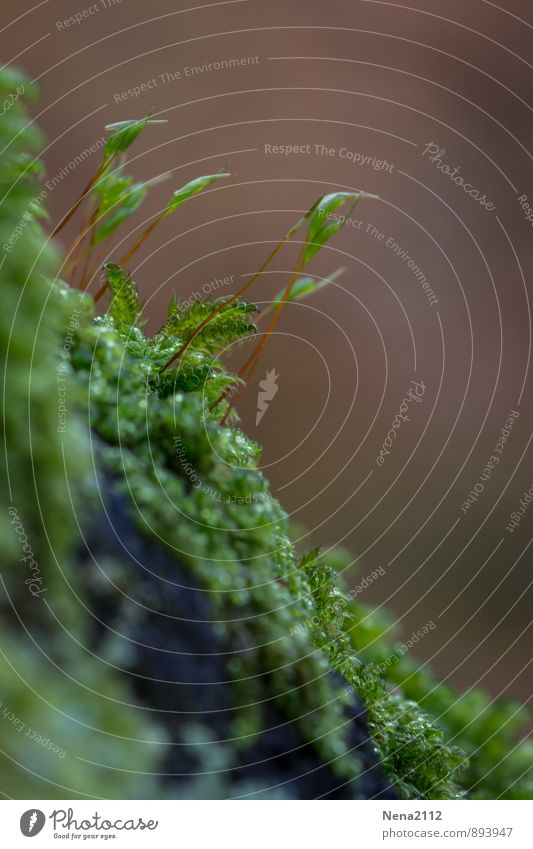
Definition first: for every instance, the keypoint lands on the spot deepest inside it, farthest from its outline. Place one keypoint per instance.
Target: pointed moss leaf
(306, 286)
(326, 221)
(118, 199)
(123, 208)
(110, 187)
(125, 308)
(233, 321)
(124, 133)
(190, 189)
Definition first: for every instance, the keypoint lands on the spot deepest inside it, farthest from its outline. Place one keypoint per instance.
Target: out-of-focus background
(297, 99)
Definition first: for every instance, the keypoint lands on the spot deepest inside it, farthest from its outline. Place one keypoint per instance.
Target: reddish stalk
(140, 241)
(243, 289)
(247, 370)
(101, 291)
(85, 230)
(97, 174)
(98, 261)
(86, 264)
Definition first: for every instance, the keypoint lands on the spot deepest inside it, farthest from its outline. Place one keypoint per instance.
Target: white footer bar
(266, 825)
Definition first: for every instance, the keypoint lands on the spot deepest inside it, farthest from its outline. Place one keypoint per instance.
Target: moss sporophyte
(162, 410)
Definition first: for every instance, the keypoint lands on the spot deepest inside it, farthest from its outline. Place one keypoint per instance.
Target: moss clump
(412, 748)
(29, 358)
(196, 485)
(58, 707)
(488, 732)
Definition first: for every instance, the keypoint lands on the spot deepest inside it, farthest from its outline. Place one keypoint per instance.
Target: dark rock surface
(160, 622)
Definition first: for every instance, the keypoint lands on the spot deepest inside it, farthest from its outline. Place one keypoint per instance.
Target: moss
(49, 690)
(412, 748)
(487, 731)
(192, 480)
(196, 485)
(28, 358)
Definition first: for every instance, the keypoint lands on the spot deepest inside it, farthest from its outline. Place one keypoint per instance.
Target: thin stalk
(323, 282)
(99, 258)
(95, 218)
(75, 253)
(86, 265)
(101, 291)
(142, 238)
(244, 288)
(249, 366)
(274, 320)
(97, 174)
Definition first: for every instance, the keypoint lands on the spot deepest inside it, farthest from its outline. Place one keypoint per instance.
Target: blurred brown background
(371, 79)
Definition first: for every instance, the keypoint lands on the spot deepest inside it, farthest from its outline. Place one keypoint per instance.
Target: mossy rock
(174, 645)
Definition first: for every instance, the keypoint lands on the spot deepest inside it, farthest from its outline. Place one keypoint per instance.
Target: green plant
(163, 410)
(487, 731)
(50, 690)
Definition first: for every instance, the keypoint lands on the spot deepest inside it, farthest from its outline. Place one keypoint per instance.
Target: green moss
(196, 485)
(50, 690)
(412, 748)
(156, 404)
(28, 358)
(488, 732)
